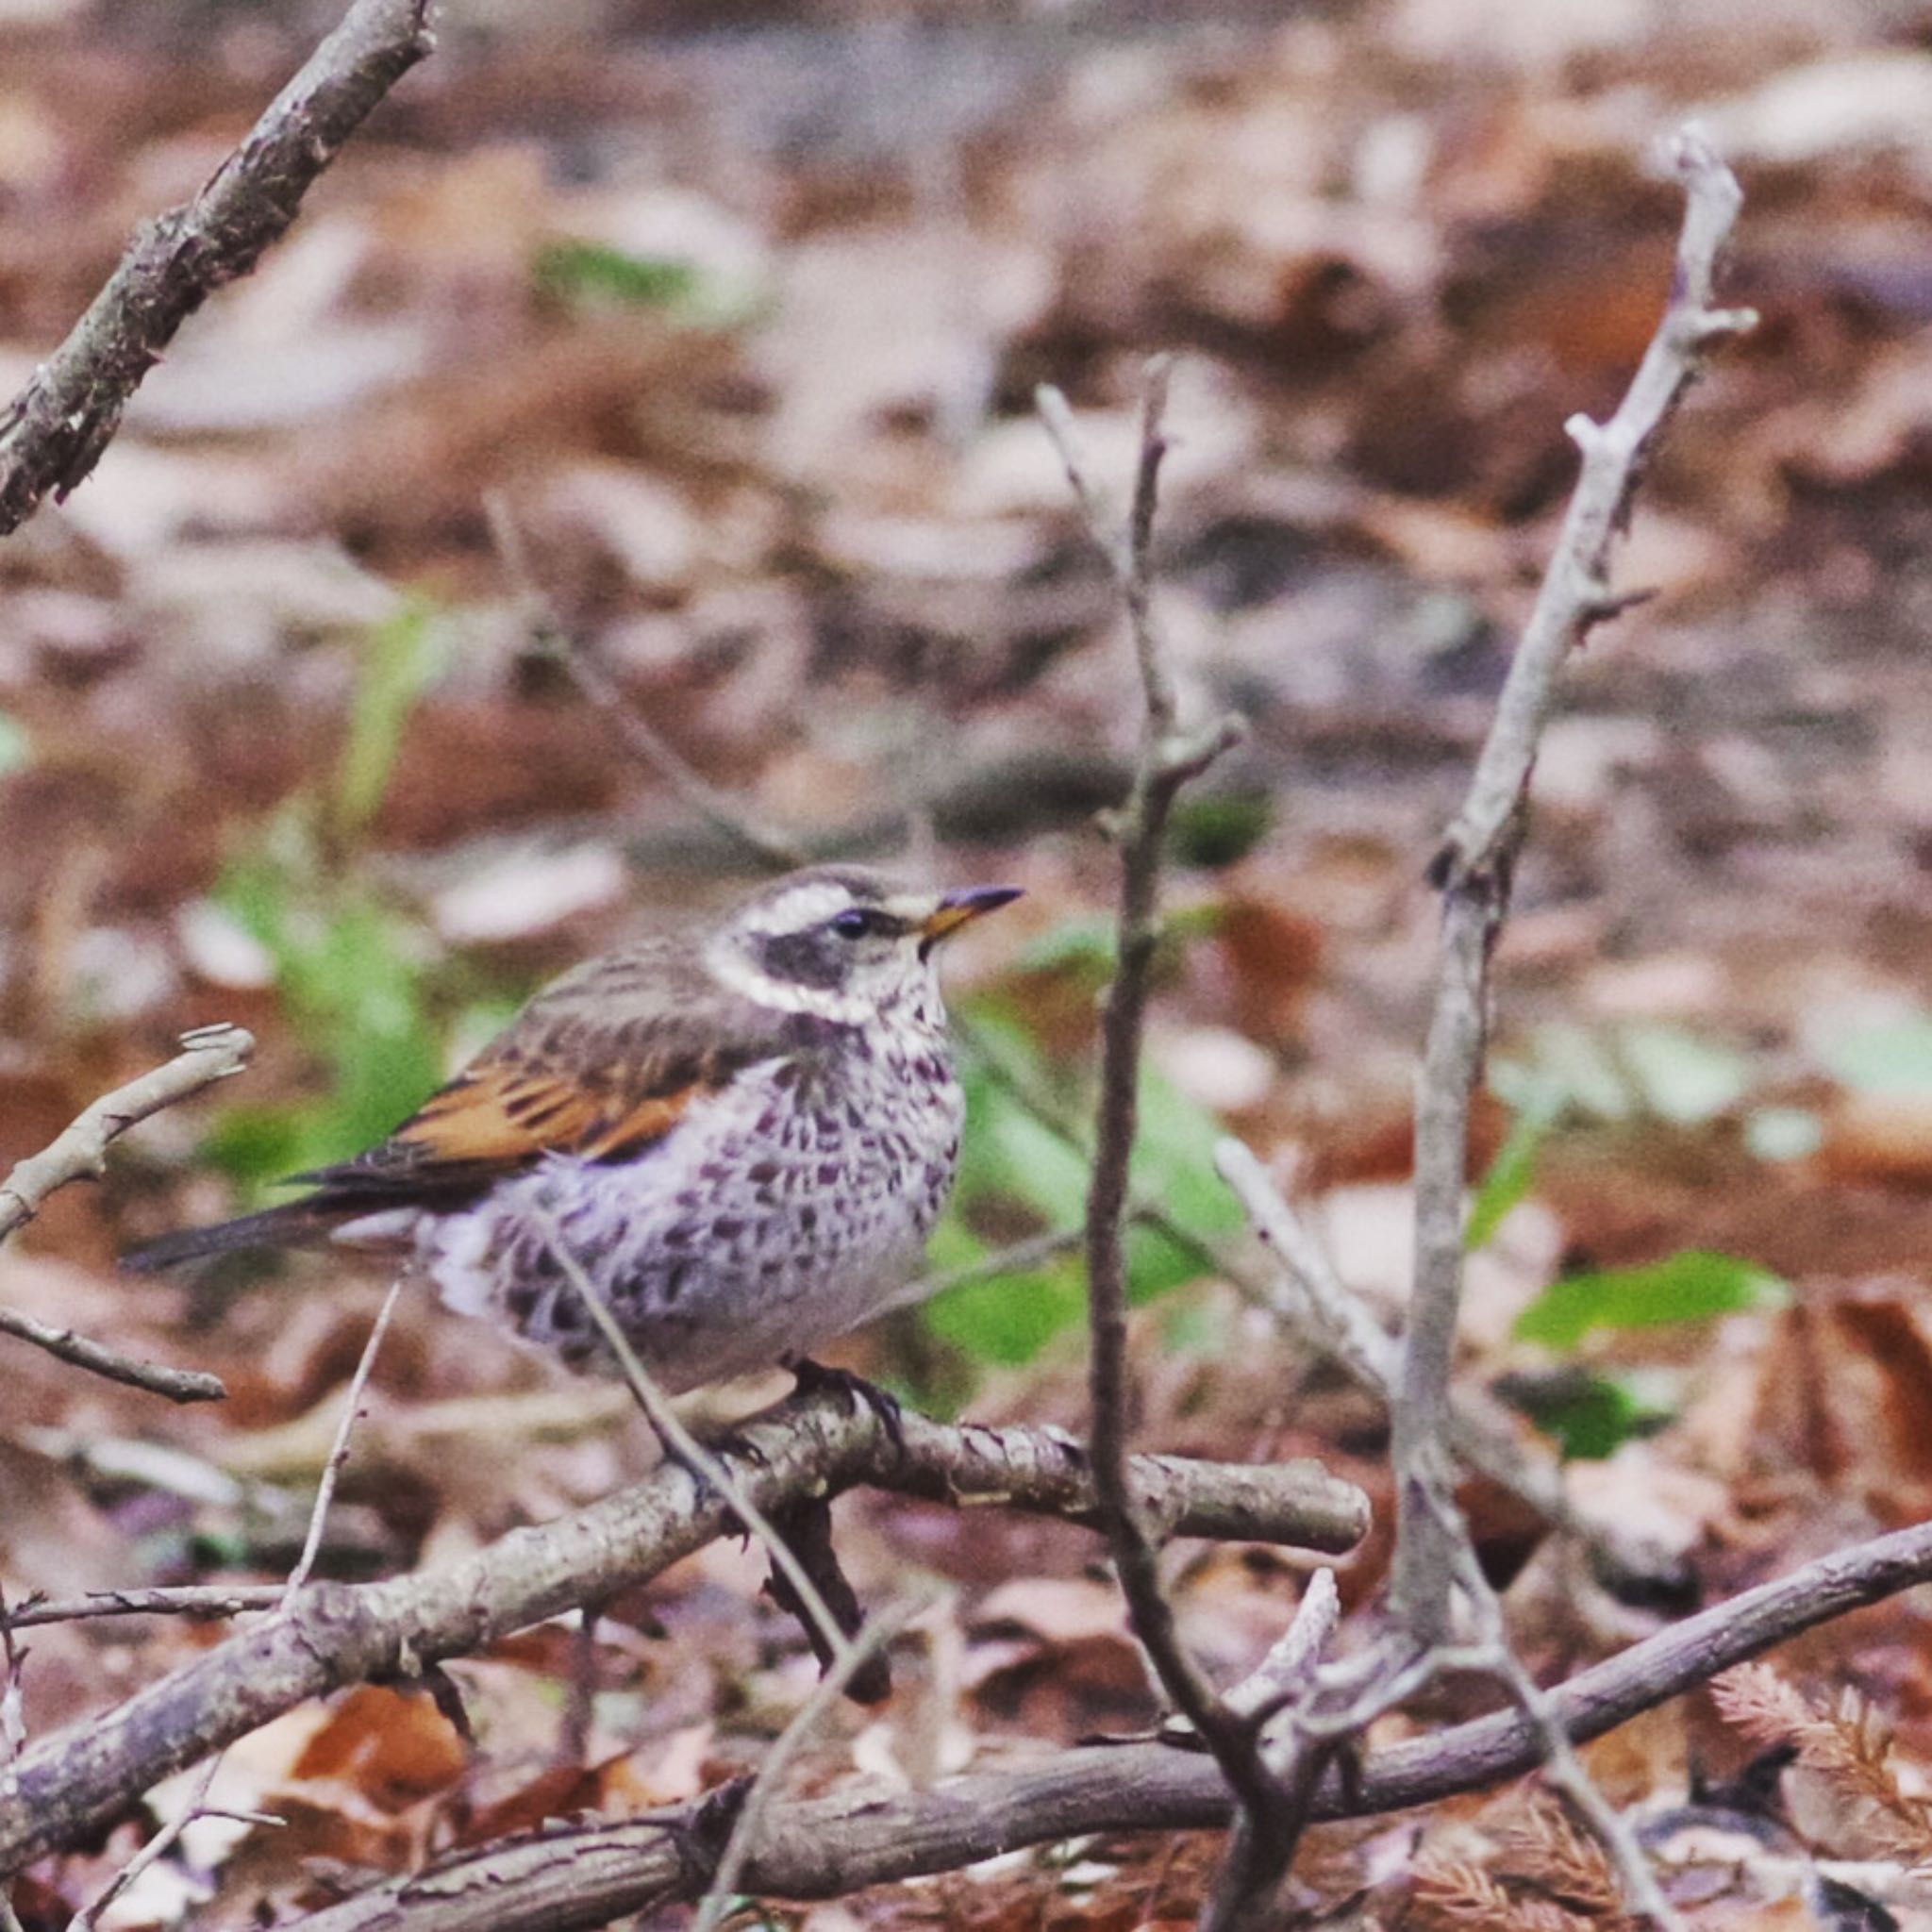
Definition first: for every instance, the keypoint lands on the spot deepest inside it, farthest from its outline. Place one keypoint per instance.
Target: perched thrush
(742, 1137)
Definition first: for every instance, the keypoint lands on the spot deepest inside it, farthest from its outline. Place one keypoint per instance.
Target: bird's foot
(814, 1377)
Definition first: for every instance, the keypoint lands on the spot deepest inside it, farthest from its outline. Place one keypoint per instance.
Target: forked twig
(1434, 1557)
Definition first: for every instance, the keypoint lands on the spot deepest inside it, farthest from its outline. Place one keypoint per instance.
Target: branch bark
(73, 1783)
(570, 1878)
(54, 432)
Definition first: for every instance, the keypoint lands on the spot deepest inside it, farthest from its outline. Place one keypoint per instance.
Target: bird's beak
(955, 909)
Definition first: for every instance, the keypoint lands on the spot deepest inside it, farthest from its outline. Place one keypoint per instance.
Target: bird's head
(841, 944)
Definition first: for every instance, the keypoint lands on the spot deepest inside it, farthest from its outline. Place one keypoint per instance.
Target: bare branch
(1165, 764)
(1425, 1563)
(1575, 593)
(830, 1847)
(67, 1784)
(1561, 1765)
(54, 432)
(97, 1359)
(193, 1600)
(209, 1053)
(1473, 870)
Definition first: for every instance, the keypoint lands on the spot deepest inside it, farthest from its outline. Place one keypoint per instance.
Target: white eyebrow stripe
(802, 906)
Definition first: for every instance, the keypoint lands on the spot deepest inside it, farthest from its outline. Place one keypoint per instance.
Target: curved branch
(332, 1635)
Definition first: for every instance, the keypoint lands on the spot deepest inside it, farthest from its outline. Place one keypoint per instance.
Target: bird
(741, 1134)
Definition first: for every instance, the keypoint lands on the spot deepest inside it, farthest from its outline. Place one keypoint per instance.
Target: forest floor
(739, 329)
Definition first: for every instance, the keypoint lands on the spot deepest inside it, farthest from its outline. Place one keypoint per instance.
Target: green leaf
(1592, 1416)
(1008, 1319)
(1086, 942)
(1513, 1172)
(1682, 1076)
(1894, 1057)
(1012, 1156)
(1689, 1287)
(401, 659)
(257, 1144)
(589, 271)
(1212, 830)
(1174, 1164)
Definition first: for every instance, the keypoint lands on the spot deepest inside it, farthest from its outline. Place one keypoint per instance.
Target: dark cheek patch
(804, 959)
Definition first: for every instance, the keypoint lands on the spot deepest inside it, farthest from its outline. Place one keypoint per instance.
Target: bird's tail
(296, 1224)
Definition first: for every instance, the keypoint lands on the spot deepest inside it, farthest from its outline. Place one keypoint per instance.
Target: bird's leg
(813, 1377)
(807, 1527)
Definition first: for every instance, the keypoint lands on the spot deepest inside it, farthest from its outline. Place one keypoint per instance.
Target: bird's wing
(602, 1065)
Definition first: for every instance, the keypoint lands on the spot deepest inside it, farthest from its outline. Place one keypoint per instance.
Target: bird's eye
(853, 924)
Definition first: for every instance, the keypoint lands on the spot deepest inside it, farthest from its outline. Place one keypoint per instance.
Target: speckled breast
(780, 1213)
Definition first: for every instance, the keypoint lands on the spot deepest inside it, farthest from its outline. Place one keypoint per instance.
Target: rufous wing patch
(508, 1115)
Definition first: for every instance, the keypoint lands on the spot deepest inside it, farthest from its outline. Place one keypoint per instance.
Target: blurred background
(733, 316)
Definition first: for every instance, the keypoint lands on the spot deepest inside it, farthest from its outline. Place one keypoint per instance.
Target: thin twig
(1425, 1563)
(1290, 1661)
(209, 1053)
(1167, 761)
(196, 1806)
(97, 1359)
(193, 1600)
(870, 1641)
(682, 1448)
(54, 431)
(1474, 870)
(1561, 1765)
(1575, 593)
(339, 1449)
(1335, 1321)
(1309, 1299)
(771, 851)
